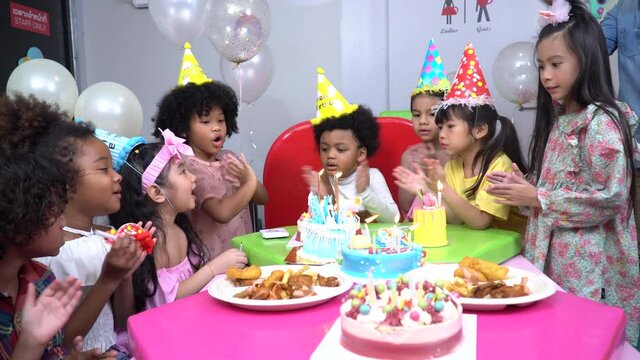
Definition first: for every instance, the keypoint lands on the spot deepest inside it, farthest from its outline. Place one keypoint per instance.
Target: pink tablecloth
(200, 327)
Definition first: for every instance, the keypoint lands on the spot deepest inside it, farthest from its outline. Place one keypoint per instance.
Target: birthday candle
(395, 231)
(440, 187)
(336, 177)
(320, 179)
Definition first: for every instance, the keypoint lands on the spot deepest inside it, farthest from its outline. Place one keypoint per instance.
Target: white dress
(82, 258)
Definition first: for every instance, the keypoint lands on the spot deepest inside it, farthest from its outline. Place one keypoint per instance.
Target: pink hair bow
(558, 13)
(173, 147)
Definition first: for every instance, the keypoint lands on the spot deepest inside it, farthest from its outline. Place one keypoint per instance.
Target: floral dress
(584, 235)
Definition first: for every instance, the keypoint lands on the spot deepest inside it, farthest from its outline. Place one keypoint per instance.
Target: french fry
(302, 270)
(287, 274)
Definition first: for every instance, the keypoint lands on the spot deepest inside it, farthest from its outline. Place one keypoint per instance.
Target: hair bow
(558, 13)
(173, 147)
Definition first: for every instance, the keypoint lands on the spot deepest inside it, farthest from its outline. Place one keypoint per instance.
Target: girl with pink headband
(157, 186)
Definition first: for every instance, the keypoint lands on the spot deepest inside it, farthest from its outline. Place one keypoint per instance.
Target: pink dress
(169, 280)
(214, 181)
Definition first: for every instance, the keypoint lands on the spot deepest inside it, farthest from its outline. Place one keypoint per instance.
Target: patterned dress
(584, 235)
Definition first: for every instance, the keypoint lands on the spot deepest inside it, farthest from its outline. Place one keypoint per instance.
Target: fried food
(472, 275)
(330, 281)
(500, 290)
(276, 275)
(249, 273)
(280, 285)
(460, 286)
(491, 271)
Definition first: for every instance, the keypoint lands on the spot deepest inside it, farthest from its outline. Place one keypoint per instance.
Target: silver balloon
(112, 107)
(250, 79)
(46, 80)
(180, 20)
(515, 73)
(239, 28)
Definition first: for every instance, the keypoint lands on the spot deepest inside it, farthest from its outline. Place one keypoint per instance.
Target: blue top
(621, 27)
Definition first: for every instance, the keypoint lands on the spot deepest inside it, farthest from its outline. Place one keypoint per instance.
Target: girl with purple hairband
(157, 186)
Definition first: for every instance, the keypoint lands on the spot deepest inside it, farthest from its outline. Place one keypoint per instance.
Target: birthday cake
(430, 221)
(324, 229)
(387, 255)
(390, 319)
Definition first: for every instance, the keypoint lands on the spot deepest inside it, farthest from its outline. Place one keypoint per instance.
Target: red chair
(296, 147)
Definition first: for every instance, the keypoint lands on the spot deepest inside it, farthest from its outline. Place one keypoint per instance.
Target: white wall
(372, 50)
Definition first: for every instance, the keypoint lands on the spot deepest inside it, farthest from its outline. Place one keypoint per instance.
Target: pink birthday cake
(390, 319)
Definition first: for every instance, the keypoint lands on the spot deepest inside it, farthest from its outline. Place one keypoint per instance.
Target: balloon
(112, 107)
(46, 80)
(180, 20)
(515, 73)
(239, 28)
(255, 75)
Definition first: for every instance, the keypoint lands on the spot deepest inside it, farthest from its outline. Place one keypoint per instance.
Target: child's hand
(411, 181)
(502, 177)
(435, 172)
(311, 178)
(230, 258)
(362, 177)
(123, 259)
(94, 354)
(42, 318)
(515, 191)
(240, 168)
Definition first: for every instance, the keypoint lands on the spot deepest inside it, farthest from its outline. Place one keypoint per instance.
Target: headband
(173, 147)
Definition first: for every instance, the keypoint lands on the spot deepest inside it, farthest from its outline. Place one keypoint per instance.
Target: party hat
(330, 103)
(469, 87)
(432, 79)
(191, 70)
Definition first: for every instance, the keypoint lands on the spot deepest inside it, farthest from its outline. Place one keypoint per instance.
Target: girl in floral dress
(581, 231)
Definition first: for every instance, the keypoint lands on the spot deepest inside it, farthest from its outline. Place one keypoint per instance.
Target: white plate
(222, 289)
(540, 287)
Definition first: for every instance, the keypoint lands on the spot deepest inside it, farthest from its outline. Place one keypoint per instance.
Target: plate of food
(486, 286)
(279, 287)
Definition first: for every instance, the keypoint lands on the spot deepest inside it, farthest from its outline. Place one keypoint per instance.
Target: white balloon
(46, 80)
(515, 73)
(255, 75)
(180, 20)
(111, 106)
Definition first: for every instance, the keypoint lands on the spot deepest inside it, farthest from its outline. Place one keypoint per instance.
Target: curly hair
(24, 120)
(136, 205)
(32, 196)
(177, 108)
(361, 122)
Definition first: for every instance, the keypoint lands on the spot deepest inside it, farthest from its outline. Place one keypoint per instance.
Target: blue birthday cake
(324, 229)
(389, 253)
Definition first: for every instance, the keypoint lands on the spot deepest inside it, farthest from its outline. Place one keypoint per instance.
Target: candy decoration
(365, 309)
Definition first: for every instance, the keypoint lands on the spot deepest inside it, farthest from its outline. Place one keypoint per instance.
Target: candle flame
(396, 219)
(413, 227)
(320, 172)
(440, 186)
(371, 218)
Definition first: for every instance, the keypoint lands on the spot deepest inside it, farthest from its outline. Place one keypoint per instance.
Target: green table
(491, 244)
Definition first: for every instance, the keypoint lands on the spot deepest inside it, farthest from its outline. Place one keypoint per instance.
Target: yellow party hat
(330, 103)
(191, 70)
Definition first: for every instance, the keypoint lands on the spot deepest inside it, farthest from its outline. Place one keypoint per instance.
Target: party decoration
(558, 13)
(180, 20)
(250, 79)
(112, 107)
(143, 237)
(432, 77)
(239, 28)
(46, 80)
(190, 71)
(330, 103)
(33, 53)
(469, 87)
(119, 146)
(515, 73)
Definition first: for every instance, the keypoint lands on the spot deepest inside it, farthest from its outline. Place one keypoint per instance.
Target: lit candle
(395, 231)
(335, 178)
(440, 187)
(370, 289)
(366, 224)
(320, 179)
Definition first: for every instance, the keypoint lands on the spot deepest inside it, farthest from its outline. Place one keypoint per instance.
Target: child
(346, 135)
(468, 131)
(158, 187)
(32, 201)
(581, 231)
(205, 115)
(432, 86)
(95, 192)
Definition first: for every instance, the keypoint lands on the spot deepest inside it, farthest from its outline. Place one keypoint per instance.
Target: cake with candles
(324, 229)
(387, 254)
(391, 318)
(429, 220)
